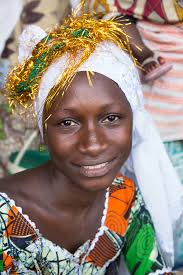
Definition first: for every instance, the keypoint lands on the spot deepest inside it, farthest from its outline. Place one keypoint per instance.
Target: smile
(91, 167)
(97, 170)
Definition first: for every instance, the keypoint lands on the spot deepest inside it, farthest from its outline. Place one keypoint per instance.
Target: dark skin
(135, 39)
(90, 127)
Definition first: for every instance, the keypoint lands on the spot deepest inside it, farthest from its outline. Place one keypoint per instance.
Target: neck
(68, 195)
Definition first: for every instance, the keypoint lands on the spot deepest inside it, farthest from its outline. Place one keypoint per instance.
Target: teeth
(90, 167)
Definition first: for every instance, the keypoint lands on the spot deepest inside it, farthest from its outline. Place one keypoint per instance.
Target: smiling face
(89, 132)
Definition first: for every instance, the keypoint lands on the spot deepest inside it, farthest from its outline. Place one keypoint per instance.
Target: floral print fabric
(126, 228)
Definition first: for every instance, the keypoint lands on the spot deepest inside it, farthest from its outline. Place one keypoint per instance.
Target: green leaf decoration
(22, 87)
(80, 33)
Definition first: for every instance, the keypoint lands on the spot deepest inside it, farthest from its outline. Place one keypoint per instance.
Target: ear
(28, 40)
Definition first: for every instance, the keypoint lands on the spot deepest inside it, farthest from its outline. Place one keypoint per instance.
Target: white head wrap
(148, 162)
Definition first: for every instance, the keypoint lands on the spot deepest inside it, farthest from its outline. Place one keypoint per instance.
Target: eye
(68, 123)
(111, 118)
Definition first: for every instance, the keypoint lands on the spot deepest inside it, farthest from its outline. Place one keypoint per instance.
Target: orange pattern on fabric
(88, 259)
(7, 261)
(98, 255)
(21, 227)
(121, 197)
(120, 201)
(11, 217)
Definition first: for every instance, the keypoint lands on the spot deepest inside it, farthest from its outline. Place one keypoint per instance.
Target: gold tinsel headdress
(78, 34)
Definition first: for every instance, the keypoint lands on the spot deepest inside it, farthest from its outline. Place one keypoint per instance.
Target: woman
(153, 24)
(89, 107)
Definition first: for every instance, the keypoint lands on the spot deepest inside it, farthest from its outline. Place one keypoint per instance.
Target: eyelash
(115, 116)
(66, 120)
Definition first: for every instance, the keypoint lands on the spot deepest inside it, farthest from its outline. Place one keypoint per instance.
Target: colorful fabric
(152, 10)
(126, 228)
(164, 97)
(175, 152)
(159, 11)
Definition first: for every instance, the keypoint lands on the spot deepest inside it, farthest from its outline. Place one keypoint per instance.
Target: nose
(93, 141)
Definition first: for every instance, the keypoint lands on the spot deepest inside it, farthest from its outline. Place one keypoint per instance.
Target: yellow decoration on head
(78, 36)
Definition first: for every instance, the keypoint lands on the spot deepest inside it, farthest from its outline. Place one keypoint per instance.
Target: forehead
(102, 91)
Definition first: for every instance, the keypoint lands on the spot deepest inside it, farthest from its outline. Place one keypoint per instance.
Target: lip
(96, 170)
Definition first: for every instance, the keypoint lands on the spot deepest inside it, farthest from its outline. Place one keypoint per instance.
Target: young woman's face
(89, 133)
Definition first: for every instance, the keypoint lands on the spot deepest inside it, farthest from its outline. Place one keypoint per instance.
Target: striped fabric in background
(164, 96)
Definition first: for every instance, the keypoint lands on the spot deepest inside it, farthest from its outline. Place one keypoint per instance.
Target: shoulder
(23, 186)
(10, 189)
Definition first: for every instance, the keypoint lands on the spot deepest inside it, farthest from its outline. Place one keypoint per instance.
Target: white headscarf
(148, 162)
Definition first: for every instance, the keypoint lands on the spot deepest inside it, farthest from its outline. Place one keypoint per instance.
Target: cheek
(60, 146)
(126, 142)
(123, 138)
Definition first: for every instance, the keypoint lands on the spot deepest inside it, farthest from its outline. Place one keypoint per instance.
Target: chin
(97, 183)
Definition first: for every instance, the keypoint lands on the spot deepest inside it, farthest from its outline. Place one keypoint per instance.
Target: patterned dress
(126, 228)
(158, 11)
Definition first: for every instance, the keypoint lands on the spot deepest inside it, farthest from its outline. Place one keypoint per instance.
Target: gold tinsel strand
(78, 37)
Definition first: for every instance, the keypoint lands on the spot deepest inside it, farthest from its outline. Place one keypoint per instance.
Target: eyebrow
(104, 107)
